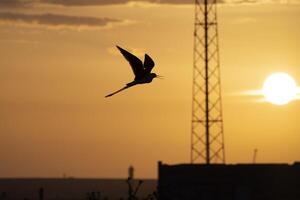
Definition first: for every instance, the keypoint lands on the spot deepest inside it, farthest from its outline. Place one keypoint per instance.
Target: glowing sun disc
(280, 89)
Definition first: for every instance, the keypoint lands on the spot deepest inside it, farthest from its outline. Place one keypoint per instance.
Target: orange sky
(55, 70)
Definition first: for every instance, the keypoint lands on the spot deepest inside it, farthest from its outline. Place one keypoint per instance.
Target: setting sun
(279, 89)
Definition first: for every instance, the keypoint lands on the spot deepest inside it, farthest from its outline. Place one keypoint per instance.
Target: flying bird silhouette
(142, 71)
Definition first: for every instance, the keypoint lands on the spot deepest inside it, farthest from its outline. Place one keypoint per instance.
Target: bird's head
(153, 75)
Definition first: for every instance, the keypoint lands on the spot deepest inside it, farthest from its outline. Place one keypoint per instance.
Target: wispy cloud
(244, 20)
(19, 41)
(57, 21)
(261, 97)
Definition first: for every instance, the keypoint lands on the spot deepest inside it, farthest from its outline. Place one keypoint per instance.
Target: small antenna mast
(254, 156)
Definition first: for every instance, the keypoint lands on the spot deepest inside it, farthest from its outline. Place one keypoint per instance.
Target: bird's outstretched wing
(135, 63)
(148, 63)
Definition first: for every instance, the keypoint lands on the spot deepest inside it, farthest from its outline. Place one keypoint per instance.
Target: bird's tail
(117, 91)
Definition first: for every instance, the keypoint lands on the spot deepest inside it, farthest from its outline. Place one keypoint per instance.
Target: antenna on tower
(207, 138)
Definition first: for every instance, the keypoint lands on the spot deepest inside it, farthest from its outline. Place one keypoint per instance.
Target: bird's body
(147, 78)
(142, 71)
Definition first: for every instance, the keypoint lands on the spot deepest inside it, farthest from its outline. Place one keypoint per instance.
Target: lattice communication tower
(207, 138)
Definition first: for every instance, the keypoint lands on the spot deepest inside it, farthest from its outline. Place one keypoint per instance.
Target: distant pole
(254, 156)
(207, 138)
(131, 172)
(130, 182)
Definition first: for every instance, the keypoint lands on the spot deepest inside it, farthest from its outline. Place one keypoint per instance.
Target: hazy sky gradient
(56, 70)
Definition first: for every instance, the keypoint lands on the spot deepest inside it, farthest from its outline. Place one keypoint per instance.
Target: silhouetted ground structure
(229, 182)
(74, 189)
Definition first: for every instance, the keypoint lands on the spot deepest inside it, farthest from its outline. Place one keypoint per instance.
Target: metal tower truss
(207, 140)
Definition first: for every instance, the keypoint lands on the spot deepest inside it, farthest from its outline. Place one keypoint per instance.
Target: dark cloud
(54, 20)
(86, 2)
(114, 2)
(176, 2)
(16, 3)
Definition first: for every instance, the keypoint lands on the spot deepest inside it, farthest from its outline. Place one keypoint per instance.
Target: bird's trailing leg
(124, 88)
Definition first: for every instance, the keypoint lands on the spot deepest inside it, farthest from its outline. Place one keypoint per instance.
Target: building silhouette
(229, 182)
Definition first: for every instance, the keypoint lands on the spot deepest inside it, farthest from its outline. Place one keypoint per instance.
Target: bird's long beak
(160, 77)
